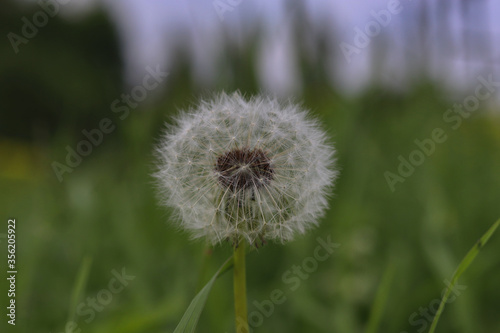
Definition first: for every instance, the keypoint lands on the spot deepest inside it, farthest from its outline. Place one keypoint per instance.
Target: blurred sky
(452, 41)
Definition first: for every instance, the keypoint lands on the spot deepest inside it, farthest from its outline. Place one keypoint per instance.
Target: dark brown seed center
(240, 169)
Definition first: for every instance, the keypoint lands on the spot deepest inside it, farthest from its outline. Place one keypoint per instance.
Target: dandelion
(245, 169)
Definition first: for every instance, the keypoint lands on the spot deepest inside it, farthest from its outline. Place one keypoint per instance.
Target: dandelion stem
(240, 288)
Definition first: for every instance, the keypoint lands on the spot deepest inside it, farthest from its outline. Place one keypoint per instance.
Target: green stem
(240, 288)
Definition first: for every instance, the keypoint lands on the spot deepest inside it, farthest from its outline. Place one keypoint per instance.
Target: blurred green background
(402, 244)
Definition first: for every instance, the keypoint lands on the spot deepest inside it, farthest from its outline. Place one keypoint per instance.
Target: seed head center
(241, 169)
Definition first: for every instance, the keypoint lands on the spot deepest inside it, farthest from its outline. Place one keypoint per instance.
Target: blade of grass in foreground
(190, 318)
(79, 287)
(469, 257)
(381, 297)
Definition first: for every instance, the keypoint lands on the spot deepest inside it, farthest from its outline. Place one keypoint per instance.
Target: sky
(452, 41)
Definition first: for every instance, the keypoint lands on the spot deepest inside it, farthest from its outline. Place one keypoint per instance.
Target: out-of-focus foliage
(64, 81)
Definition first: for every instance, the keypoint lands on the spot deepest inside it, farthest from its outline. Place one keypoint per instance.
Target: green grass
(396, 248)
(464, 264)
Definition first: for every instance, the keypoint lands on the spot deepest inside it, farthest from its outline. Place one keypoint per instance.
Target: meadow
(95, 250)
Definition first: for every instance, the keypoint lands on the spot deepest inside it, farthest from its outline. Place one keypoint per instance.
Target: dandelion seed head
(256, 169)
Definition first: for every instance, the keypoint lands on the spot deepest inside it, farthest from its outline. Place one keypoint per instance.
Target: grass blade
(190, 318)
(79, 287)
(381, 297)
(469, 257)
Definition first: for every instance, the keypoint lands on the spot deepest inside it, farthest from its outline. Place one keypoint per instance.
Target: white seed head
(255, 169)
